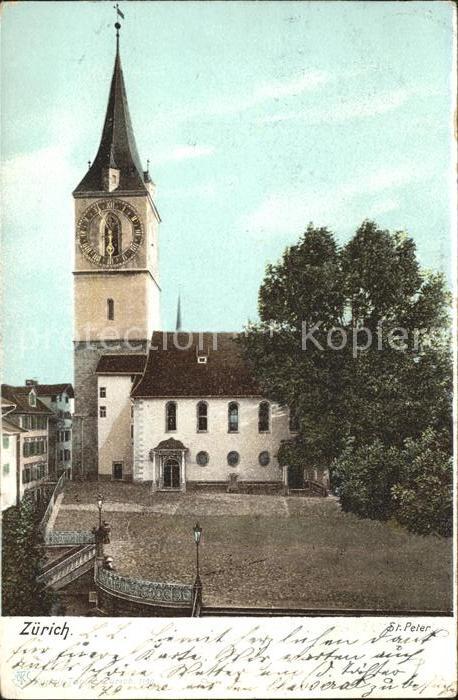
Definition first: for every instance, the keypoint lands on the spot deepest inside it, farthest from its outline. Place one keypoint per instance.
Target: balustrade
(148, 591)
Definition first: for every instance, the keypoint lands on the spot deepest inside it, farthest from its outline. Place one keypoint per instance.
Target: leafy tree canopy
(339, 385)
(22, 556)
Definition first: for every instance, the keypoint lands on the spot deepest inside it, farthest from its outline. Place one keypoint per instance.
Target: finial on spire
(147, 165)
(117, 24)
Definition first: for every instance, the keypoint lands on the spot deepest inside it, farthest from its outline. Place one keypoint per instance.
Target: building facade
(10, 449)
(31, 416)
(59, 398)
(189, 416)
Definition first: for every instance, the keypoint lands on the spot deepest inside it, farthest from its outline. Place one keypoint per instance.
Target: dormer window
(32, 399)
(202, 359)
(110, 178)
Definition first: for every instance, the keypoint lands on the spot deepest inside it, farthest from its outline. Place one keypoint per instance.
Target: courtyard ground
(266, 550)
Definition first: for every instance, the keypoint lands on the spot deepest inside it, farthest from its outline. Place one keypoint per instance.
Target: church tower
(116, 276)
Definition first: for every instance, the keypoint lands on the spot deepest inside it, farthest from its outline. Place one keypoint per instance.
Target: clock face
(109, 233)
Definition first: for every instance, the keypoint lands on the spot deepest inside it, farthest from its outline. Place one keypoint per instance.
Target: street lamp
(197, 535)
(197, 582)
(99, 506)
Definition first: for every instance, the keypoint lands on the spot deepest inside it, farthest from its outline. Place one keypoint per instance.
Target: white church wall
(150, 429)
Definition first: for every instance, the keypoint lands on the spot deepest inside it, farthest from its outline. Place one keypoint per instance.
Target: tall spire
(117, 146)
(178, 324)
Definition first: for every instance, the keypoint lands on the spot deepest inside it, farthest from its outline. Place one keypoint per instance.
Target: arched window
(110, 309)
(264, 417)
(171, 416)
(112, 244)
(202, 417)
(233, 417)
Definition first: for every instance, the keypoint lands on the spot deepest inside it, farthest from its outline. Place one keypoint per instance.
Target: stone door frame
(160, 457)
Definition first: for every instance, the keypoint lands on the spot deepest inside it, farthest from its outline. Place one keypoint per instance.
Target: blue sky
(257, 118)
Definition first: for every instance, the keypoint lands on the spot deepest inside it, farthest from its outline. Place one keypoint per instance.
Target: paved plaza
(265, 550)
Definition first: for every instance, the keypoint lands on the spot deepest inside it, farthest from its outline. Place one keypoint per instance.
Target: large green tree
(303, 291)
(22, 556)
(319, 296)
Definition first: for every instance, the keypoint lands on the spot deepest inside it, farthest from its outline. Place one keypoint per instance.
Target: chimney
(31, 382)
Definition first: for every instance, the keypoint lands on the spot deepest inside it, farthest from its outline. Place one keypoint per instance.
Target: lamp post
(99, 531)
(197, 582)
(99, 506)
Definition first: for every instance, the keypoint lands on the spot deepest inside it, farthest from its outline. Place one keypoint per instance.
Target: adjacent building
(59, 398)
(10, 458)
(25, 422)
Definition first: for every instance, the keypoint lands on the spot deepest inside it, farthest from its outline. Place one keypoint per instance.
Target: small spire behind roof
(178, 323)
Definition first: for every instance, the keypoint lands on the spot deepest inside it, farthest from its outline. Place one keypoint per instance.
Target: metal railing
(67, 568)
(68, 538)
(146, 591)
(50, 507)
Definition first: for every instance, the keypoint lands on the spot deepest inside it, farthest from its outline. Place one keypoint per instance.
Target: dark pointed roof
(117, 147)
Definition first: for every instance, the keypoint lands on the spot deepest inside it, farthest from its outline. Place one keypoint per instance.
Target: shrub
(365, 477)
(423, 498)
(22, 555)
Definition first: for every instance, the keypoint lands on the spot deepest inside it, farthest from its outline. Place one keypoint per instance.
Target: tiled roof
(121, 364)
(7, 404)
(174, 372)
(54, 389)
(9, 427)
(117, 146)
(19, 395)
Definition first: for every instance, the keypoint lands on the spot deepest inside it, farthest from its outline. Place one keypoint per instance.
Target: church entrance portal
(171, 473)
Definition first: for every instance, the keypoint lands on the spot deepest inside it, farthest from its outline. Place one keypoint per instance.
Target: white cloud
(184, 152)
(348, 203)
(384, 179)
(205, 190)
(294, 86)
(341, 110)
(235, 104)
(383, 207)
(37, 206)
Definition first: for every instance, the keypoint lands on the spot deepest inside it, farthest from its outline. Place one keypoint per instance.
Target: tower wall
(135, 297)
(116, 279)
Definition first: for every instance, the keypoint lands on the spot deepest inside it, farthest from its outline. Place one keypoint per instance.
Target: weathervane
(117, 24)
